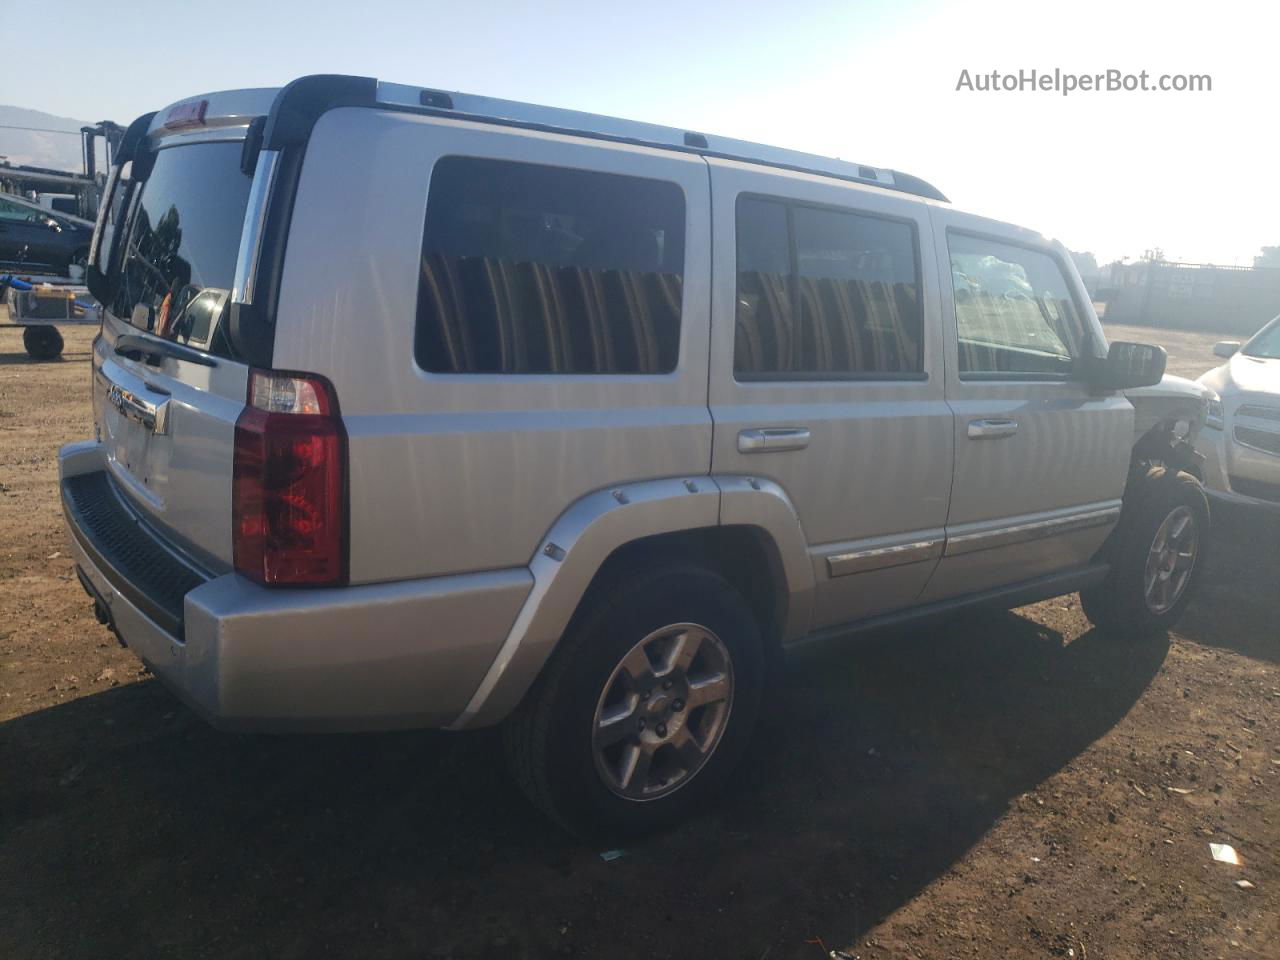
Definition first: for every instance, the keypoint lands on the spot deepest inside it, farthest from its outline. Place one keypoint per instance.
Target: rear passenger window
(825, 294)
(1014, 312)
(536, 269)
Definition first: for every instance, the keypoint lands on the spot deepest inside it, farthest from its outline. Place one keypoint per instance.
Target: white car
(1241, 444)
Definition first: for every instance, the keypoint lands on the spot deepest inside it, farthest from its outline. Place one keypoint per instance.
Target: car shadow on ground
(1234, 606)
(10, 359)
(131, 828)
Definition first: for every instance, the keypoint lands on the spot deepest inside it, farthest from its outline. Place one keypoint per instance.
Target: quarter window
(1014, 310)
(543, 270)
(825, 294)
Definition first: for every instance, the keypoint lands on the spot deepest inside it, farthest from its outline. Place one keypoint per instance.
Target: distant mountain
(39, 148)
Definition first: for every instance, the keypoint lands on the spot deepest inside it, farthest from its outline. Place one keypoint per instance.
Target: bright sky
(874, 82)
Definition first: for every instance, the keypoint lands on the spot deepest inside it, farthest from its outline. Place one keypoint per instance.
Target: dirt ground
(1003, 786)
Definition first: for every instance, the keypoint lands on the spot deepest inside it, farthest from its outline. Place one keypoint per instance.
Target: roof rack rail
(515, 113)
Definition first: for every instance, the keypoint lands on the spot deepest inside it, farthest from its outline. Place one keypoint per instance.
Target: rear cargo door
(168, 424)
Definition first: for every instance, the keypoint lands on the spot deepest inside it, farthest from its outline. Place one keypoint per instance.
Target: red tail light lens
(289, 494)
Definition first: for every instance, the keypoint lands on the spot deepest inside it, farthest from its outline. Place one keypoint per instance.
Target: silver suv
(419, 409)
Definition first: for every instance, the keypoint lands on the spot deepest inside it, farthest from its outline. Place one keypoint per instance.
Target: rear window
(535, 269)
(180, 258)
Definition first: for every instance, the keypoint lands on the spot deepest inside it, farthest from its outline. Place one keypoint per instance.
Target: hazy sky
(875, 82)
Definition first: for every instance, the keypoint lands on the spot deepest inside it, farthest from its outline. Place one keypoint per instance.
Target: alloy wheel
(663, 711)
(1171, 559)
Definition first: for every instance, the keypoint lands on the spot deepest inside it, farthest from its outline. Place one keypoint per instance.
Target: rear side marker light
(289, 487)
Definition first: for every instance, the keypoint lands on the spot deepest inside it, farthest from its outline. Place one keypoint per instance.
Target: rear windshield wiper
(134, 345)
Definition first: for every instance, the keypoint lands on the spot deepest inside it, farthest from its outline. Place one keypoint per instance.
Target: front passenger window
(1015, 315)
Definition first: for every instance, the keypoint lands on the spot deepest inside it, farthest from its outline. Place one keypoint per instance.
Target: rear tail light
(289, 494)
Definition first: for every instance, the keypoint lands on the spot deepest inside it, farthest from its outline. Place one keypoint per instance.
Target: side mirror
(1128, 365)
(1226, 348)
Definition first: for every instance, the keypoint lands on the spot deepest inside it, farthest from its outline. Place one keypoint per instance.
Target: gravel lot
(1006, 785)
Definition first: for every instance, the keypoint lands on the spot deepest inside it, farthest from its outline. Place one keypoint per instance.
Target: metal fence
(1194, 296)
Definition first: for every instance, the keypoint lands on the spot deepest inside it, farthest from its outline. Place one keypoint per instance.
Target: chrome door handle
(992, 429)
(773, 439)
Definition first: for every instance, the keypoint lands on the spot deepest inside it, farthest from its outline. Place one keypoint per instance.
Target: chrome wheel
(662, 712)
(1170, 560)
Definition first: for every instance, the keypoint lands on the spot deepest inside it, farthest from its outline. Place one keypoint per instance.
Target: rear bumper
(371, 657)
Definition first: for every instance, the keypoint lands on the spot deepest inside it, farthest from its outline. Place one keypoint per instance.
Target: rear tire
(42, 342)
(669, 666)
(1157, 554)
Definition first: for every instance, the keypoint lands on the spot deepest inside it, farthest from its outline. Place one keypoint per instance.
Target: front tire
(1157, 555)
(646, 707)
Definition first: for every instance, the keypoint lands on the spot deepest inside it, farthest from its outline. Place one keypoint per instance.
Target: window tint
(1014, 311)
(535, 269)
(180, 258)
(829, 292)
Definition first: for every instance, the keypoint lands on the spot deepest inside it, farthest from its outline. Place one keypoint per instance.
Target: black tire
(42, 342)
(1119, 604)
(549, 737)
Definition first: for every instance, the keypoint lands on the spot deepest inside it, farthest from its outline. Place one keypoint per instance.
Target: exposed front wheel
(1157, 554)
(42, 342)
(645, 708)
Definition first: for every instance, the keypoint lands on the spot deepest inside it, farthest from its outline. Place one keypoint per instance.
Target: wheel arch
(1162, 444)
(743, 528)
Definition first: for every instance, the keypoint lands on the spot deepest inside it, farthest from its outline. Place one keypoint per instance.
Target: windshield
(179, 262)
(1266, 344)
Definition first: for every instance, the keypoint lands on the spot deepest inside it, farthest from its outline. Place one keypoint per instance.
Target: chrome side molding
(863, 561)
(1035, 530)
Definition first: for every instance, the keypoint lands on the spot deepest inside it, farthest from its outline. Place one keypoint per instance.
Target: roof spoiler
(299, 104)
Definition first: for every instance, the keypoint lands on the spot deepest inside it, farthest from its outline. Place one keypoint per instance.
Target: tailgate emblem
(153, 416)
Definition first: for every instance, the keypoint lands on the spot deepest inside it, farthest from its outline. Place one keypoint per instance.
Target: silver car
(420, 409)
(1241, 446)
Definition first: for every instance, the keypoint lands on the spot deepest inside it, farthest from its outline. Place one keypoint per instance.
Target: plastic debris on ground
(1224, 853)
(610, 855)
(1244, 884)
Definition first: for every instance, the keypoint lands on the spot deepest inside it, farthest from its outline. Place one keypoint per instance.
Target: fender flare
(592, 528)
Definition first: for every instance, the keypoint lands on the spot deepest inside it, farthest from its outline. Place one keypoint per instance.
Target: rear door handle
(773, 439)
(992, 429)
